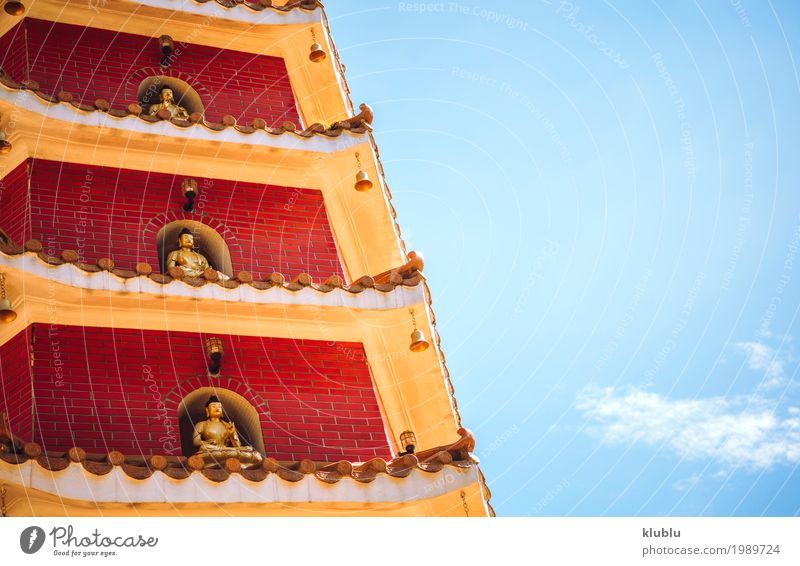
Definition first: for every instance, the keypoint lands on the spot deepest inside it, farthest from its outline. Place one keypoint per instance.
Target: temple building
(206, 304)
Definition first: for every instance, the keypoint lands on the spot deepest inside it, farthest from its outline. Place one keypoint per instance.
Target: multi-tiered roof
(362, 306)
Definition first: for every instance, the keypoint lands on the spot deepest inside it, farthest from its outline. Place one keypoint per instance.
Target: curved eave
(32, 491)
(286, 33)
(410, 385)
(52, 114)
(250, 21)
(446, 472)
(75, 482)
(357, 296)
(361, 222)
(293, 12)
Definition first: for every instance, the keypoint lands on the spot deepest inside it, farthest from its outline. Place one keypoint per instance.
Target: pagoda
(206, 305)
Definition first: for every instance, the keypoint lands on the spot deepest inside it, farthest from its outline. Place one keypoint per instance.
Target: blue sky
(606, 194)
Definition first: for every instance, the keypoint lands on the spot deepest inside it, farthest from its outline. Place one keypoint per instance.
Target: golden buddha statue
(168, 103)
(193, 263)
(217, 440)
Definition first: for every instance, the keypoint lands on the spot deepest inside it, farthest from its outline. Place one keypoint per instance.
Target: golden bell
(5, 145)
(214, 347)
(7, 314)
(14, 8)
(362, 182)
(317, 54)
(408, 440)
(418, 342)
(166, 44)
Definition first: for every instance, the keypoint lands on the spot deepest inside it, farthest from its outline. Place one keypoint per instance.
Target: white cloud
(743, 432)
(763, 358)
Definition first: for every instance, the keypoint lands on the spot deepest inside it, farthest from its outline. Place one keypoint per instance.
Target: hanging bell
(362, 182)
(317, 54)
(5, 145)
(7, 314)
(189, 189)
(167, 46)
(14, 8)
(418, 342)
(408, 440)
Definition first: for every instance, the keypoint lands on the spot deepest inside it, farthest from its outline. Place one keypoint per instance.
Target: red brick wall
(14, 201)
(315, 399)
(93, 63)
(13, 53)
(15, 384)
(116, 213)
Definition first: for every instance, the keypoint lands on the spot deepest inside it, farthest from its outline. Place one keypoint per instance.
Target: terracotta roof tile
(195, 120)
(411, 269)
(297, 284)
(260, 5)
(457, 454)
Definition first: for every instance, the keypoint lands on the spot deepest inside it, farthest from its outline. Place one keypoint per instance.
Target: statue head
(186, 239)
(167, 95)
(214, 407)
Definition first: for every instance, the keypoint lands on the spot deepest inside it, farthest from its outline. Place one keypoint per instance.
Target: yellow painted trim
(36, 503)
(361, 222)
(291, 42)
(409, 384)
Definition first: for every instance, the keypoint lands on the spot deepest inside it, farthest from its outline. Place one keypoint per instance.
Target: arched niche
(192, 410)
(207, 241)
(149, 92)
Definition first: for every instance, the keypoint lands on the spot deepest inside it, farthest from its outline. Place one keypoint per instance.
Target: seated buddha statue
(217, 440)
(168, 103)
(193, 263)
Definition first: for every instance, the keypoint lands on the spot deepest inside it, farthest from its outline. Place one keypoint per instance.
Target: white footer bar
(462, 542)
